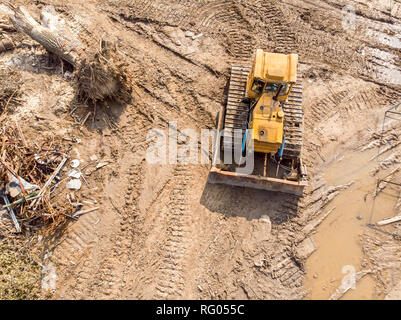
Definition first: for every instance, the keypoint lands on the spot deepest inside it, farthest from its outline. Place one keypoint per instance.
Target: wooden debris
(85, 118)
(389, 221)
(21, 134)
(53, 41)
(81, 212)
(49, 181)
(7, 27)
(200, 35)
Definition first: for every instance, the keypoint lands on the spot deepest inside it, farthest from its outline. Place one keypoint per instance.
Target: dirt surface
(162, 231)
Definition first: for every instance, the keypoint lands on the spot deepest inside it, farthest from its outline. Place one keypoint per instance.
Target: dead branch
(52, 40)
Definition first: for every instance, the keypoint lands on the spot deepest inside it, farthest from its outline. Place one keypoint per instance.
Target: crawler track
(293, 122)
(236, 110)
(171, 282)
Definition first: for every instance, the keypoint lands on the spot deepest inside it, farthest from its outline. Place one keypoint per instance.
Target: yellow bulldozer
(263, 117)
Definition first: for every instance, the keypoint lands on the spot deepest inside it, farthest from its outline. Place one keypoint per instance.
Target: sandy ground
(162, 231)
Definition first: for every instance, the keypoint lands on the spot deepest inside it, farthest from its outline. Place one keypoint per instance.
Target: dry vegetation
(19, 274)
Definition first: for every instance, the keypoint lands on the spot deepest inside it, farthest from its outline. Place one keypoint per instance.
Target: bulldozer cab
(273, 74)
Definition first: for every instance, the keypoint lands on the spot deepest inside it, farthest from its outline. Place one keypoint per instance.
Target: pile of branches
(29, 178)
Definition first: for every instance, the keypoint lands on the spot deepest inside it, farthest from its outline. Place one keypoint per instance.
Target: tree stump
(100, 72)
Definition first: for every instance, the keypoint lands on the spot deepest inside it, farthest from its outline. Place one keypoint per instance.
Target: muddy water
(338, 237)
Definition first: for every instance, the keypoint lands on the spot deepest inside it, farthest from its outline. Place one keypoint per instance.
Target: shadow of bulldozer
(249, 203)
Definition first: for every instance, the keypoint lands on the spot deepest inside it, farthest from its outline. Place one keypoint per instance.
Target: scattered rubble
(75, 163)
(200, 35)
(74, 184)
(101, 165)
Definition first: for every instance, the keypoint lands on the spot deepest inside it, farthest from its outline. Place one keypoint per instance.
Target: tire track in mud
(346, 101)
(109, 278)
(177, 13)
(171, 278)
(227, 18)
(214, 17)
(112, 274)
(370, 52)
(339, 102)
(116, 277)
(69, 255)
(102, 275)
(105, 274)
(278, 29)
(96, 273)
(284, 268)
(222, 17)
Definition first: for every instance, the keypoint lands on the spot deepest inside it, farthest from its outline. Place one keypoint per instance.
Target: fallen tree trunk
(52, 40)
(99, 71)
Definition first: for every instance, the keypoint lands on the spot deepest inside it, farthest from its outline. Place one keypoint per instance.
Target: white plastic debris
(14, 187)
(74, 184)
(74, 174)
(38, 160)
(197, 36)
(75, 163)
(93, 157)
(101, 165)
(189, 34)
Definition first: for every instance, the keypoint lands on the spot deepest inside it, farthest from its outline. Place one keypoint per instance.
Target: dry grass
(19, 274)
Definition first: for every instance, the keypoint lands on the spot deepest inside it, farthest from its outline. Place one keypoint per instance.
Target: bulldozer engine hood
(275, 67)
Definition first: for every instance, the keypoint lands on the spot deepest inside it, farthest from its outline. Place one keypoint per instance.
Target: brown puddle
(338, 237)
